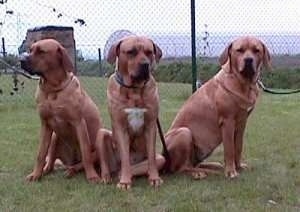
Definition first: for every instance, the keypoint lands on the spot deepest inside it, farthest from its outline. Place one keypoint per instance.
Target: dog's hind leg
(180, 147)
(213, 166)
(106, 155)
(141, 168)
(209, 168)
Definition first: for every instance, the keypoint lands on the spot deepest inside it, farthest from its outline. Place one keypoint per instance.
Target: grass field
(272, 149)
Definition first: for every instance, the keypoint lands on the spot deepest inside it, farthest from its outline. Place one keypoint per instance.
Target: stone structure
(62, 34)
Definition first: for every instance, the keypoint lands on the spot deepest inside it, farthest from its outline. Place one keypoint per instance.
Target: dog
(133, 104)
(70, 120)
(217, 112)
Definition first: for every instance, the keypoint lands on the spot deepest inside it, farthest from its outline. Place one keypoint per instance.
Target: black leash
(165, 150)
(268, 90)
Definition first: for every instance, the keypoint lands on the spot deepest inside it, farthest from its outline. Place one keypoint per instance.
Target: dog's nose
(144, 66)
(23, 57)
(25, 62)
(248, 61)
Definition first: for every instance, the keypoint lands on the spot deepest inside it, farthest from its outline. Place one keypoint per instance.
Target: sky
(103, 17)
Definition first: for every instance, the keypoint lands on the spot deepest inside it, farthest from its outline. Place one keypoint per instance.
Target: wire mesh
(99, 23)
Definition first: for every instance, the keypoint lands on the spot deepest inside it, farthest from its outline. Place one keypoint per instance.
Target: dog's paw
(156, 182)
(94, 179)
(242, 167)
(106, 179)
(231, 174)
(70, 172)
(124, 186)
(34, 176)
(47, 169)
(199, 175)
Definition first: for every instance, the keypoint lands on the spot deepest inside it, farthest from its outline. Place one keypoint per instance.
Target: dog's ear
(113, 52)
(157, 52)
(225, 55)
(65, 59)
(266, 57)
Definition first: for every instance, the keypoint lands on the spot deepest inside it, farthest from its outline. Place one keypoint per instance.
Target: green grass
(272, 149)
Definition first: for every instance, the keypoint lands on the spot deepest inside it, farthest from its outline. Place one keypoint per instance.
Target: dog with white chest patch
(133, 103)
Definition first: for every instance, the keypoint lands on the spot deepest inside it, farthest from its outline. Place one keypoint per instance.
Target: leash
(268, 90)
(19, 71)
(165, 150)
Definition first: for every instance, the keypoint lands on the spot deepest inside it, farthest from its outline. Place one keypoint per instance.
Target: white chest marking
(135, 117)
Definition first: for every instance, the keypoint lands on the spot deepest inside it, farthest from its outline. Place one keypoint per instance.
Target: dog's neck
(246, 94)
(133, 97)
(119, 79)
(55, 84)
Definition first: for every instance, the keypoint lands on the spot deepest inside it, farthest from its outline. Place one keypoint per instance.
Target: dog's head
(246, 56)
(135, 58)
(46, 56)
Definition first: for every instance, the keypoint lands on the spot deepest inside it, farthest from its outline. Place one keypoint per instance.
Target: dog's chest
(135, 118)
(135, 99)
(137, 108)
(58, 111)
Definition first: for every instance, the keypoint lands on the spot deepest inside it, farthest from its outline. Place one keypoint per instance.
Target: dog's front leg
(238, 140)
(228, 128)
(45, 139)
(51, 157)
(123, 141)
(86, 152)
(150, 137)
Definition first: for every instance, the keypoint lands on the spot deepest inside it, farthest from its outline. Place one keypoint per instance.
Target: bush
(10, 59)
(282, 78)
(174, 72)
(180, 71)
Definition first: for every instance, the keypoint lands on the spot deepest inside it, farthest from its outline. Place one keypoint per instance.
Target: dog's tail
(165, 153)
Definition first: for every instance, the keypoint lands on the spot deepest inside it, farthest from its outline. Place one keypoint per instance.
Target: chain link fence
(98, 23)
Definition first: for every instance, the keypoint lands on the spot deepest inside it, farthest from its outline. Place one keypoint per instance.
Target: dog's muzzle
(143, 73)
(25, 64)
(249, 69)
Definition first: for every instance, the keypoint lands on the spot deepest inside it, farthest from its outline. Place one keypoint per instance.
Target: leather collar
(119, 79)
(59, 88)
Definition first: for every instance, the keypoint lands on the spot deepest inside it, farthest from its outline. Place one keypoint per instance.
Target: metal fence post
(100, 62)
(4, 53)
(193, 42)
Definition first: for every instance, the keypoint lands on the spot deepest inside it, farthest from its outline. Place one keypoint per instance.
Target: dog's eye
(255, 50)
(132, 52)
(240, 50)
(40, 51)
(148, 53)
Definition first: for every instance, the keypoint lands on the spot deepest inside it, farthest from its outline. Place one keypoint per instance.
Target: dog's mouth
(142, 75)
(248, 70)
(25, 65)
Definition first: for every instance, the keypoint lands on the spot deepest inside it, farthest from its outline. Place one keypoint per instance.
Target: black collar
(118, 77)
